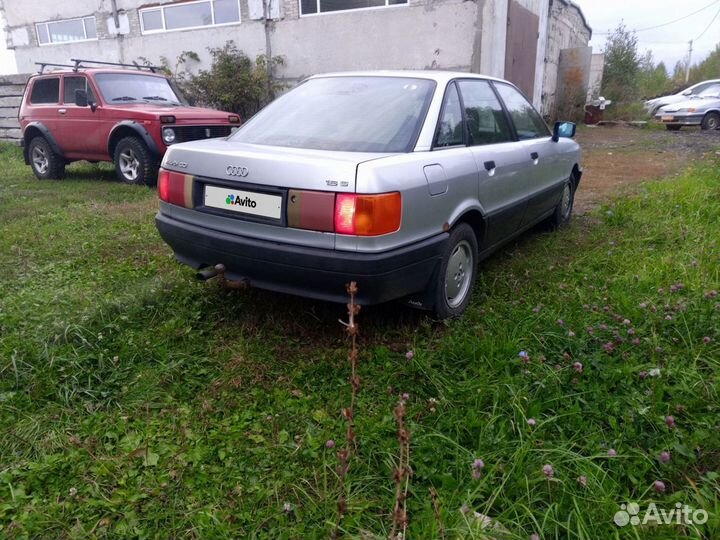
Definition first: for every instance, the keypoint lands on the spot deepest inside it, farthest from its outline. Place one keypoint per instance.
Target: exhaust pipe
(206, 273)
(219, 271)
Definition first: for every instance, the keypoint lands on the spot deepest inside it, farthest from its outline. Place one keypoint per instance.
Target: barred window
(313, 7)
(188, 15)
(66, 31)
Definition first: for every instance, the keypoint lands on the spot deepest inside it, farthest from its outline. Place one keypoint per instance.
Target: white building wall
(426, 34)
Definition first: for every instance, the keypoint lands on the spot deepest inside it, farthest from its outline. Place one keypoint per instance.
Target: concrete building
(520, 40)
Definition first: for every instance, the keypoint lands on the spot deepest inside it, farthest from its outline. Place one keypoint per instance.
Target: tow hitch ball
(218, 271)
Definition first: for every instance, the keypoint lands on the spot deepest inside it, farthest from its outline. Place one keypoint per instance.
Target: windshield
(132, 87)
(711, 91)
(352, 114)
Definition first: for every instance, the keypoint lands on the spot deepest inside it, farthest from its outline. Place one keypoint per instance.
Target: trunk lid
(273, 166)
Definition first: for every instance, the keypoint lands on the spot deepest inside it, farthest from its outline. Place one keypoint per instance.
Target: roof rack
(43, 65)
(135, 65)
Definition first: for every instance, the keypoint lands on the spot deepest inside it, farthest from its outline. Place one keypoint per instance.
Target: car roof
(440, 77)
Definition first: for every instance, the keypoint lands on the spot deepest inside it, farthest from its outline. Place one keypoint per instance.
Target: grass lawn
(137, 403)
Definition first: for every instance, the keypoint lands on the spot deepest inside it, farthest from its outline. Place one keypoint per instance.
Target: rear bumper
(302, 271)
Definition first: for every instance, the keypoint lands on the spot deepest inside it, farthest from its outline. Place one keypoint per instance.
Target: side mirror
(81, 100)
(687, 92)
(565, 130)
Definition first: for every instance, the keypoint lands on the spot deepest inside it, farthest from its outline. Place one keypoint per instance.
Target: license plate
(244, 202)
(667, 118)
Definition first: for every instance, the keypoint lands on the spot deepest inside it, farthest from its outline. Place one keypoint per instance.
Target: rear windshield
(352, 114)
(136, 87)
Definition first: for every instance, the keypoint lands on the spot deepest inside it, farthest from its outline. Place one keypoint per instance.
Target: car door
(536, 153)
(501, 185)
(81, 127)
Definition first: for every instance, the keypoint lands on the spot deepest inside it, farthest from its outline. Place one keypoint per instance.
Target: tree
(653, 80)
(622, 65)
(707, 69)
(234, 82)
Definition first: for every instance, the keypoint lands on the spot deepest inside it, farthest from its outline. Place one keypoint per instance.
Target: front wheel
(455, 279)
(563, 210)
(134, 163)
(711, 121)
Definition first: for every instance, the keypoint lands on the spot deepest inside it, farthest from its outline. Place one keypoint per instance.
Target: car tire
(455, 278)
(672, 128)
(134, 163)
(711, 121)
(563, 211)
(45, 163)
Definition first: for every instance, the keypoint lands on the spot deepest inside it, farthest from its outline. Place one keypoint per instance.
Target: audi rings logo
(236, 171)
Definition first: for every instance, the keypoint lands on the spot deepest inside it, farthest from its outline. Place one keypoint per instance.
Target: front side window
(312, 7)
(186, 15)
(486, 120)
(71, 84)
(136, 88)
(351, 114)
(66, 31)
(450, 125)
(45, 91)
(528, 123)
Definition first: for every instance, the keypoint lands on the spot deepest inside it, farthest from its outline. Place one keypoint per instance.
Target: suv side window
(528, 123)
(450, 125)
(45, 91)
(70, 84)
(485, 117)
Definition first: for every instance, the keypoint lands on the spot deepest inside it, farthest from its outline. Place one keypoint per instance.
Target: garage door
(521, 47)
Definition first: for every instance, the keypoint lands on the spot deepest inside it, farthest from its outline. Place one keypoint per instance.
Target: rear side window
(528, 123)
(486, 120)
(45, 91)
(450, 126)
(75, 83)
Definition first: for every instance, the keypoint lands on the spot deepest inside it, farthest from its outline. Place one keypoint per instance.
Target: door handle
(489, 165)
(534, 156)
(62, 111)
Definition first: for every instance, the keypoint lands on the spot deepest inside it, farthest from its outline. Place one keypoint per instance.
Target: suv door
(501, 186)
(536, 153)
(81, 128)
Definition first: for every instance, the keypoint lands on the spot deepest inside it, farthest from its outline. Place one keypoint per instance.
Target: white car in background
(653, 105)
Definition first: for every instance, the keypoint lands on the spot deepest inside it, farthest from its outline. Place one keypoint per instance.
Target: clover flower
(665, 456)
(548, 471)
(670, 421)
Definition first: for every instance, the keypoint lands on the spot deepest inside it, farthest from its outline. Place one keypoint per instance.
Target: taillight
(367, 215)
(175, 188)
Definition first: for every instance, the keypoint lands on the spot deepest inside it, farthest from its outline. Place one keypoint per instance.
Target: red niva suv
(126, 116)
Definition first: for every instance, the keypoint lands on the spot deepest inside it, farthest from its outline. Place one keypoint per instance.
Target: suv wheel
(455, 279)
(134, 164)
(45, 163)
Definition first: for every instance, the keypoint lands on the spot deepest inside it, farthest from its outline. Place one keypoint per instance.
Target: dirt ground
(616, 158)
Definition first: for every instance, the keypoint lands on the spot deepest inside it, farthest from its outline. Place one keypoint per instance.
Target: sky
(669, 42)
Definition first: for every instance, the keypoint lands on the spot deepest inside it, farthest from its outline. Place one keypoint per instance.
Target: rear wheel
(134, 163)
(455, 279)
(711, 121)
(44, 161)
(672, 128)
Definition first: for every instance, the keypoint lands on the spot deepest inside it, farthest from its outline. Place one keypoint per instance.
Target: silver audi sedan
(402, 181)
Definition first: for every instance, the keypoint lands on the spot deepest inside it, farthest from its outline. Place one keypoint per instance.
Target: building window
(187, 15)
(66, 31)
(313, 7)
